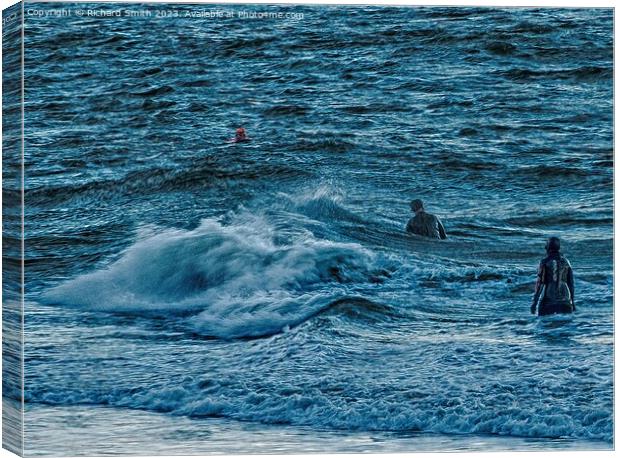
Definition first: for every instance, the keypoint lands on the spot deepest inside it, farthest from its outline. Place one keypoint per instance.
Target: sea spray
(241, 279)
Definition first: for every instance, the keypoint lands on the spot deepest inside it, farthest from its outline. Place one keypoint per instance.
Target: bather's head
(417, 205)
(240, 133)
(553, 245)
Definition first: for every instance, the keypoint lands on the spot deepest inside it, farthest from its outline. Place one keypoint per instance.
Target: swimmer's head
(240, 131)
(553, 245)
(417, 205)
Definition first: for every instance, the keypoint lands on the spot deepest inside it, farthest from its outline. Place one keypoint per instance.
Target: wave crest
(244, 279)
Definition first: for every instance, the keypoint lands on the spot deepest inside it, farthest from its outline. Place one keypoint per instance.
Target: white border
(490, 3)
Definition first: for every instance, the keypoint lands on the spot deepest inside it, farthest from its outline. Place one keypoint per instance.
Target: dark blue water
(272, 281)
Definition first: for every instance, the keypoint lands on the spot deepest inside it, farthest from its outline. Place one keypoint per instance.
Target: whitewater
(264, 296)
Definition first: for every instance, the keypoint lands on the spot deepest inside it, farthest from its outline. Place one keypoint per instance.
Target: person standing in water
(425, 224)
(555, 276)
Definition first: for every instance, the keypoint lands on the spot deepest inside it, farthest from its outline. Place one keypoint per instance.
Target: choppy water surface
(271, 282)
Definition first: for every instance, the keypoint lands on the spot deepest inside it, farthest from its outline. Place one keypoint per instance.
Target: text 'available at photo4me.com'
(162, 13)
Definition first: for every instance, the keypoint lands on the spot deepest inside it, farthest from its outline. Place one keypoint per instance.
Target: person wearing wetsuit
(555, 283)
(425, 224)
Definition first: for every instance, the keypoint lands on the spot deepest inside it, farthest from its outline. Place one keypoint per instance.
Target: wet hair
(553, 245)
(416, 205)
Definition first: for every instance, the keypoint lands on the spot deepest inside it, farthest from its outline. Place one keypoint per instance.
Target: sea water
(188, 294)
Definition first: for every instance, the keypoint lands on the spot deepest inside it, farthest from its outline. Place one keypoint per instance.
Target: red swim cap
(241, 130)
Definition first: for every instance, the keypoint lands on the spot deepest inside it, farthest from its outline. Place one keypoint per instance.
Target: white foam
(387, 411)
(242, 279)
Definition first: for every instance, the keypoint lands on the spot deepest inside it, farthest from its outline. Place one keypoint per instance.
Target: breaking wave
(244, 279)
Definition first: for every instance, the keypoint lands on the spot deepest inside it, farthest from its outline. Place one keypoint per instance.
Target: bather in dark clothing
(426, 225)
(556, 277)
